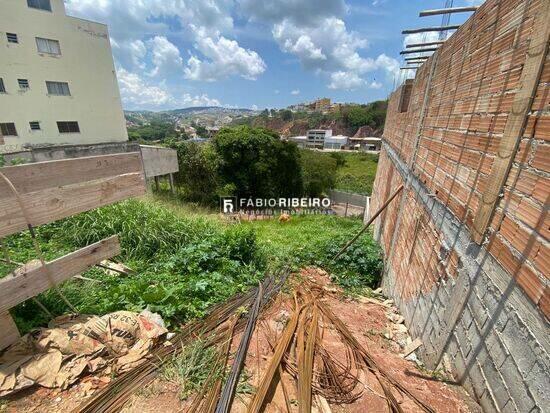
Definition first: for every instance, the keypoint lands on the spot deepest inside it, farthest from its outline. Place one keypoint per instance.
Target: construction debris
(57, 356)
(409, 348)
(301, 348)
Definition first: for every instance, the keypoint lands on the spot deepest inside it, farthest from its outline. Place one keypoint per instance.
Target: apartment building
(316, 138)
(58, 83)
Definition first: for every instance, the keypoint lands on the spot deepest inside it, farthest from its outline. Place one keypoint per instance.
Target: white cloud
(203, 21)
(295, 92)
(223, 58)
(332, 49)
(345, 80)
(130, 53)
(375, 85)
(137, 93)
(302, 12)
(330, 46)
(166, 57)
(130, 19)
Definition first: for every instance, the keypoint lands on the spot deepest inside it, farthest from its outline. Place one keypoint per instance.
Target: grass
(186, 259)
(197, 363)
(358, 173)
(190, 368)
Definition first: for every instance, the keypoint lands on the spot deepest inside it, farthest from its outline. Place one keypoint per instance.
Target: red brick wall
(475, 80)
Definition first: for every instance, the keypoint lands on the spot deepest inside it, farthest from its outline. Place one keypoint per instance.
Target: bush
(258, 163)
(339, 157)
(198, 176)
(183, 265)
(319, 172)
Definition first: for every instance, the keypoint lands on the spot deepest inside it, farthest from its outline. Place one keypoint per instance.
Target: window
(40, 4)
(68, 127)
(35, 125)
(58, 88)
(8, 129)
(48, 46)
(2, 87)
(23, 84)
(12, 38)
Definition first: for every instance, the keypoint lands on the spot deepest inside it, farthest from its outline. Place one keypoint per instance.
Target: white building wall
(86, 63)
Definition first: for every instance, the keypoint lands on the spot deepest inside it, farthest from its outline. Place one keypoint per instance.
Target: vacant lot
(358, 173)
(186, 259)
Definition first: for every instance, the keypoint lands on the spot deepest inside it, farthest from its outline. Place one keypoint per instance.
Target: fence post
(366, 213)
(172, 187)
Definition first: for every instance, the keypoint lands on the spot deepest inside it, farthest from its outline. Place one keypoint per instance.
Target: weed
(186, 262)
(192, 367)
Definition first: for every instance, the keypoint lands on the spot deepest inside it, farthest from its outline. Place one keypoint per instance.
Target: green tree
(201, 131)
(319, 171)
(286, 115)
(357, 116)
(257, 163)
(198, 176)
(154, 131)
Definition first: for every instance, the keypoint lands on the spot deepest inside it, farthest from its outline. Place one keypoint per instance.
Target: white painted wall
(86, 63)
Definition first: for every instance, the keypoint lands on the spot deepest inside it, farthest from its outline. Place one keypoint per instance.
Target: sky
(258, 53)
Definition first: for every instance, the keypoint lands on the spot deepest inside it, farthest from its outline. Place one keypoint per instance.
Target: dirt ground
(374, 322)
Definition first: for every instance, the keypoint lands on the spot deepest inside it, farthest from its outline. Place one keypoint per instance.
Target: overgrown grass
(190, 368)
(315, 240)
(186, 262)
(358, 173)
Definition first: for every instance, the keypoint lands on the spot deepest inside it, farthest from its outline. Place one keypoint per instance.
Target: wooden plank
(56, 203)
(10, 333)
(448, 10)
(32, 279)
(517, 120)
(413, 346)
(44, 175)
(159, 161)
(431, 29)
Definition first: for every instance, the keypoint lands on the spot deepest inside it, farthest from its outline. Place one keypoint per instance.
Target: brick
(538, 381)
(516, 338)
(477, 310)
(541, 159)
(470, 97)
(496, 383)
(496, 349)
(530, 283)
(518, 391)
(544, 303)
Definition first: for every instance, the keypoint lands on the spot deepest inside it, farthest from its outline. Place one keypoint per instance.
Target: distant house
(301, 141)
(336, 142)
(316, 138)
(366, 144)
(212, 131)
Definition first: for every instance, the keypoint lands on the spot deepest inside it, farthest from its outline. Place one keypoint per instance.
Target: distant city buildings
(336, 142)
(366, 144)
(58, 82)
(323, 139)
(322, 105)
(316, 138)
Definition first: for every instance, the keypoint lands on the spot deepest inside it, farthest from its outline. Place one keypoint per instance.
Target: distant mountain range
(204, 115)
(191, 111)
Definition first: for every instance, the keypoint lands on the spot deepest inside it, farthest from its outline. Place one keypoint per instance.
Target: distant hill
(209, 109)
(350, 120)
(211, 113)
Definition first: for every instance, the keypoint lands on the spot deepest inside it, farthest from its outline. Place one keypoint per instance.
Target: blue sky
(257, 53)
